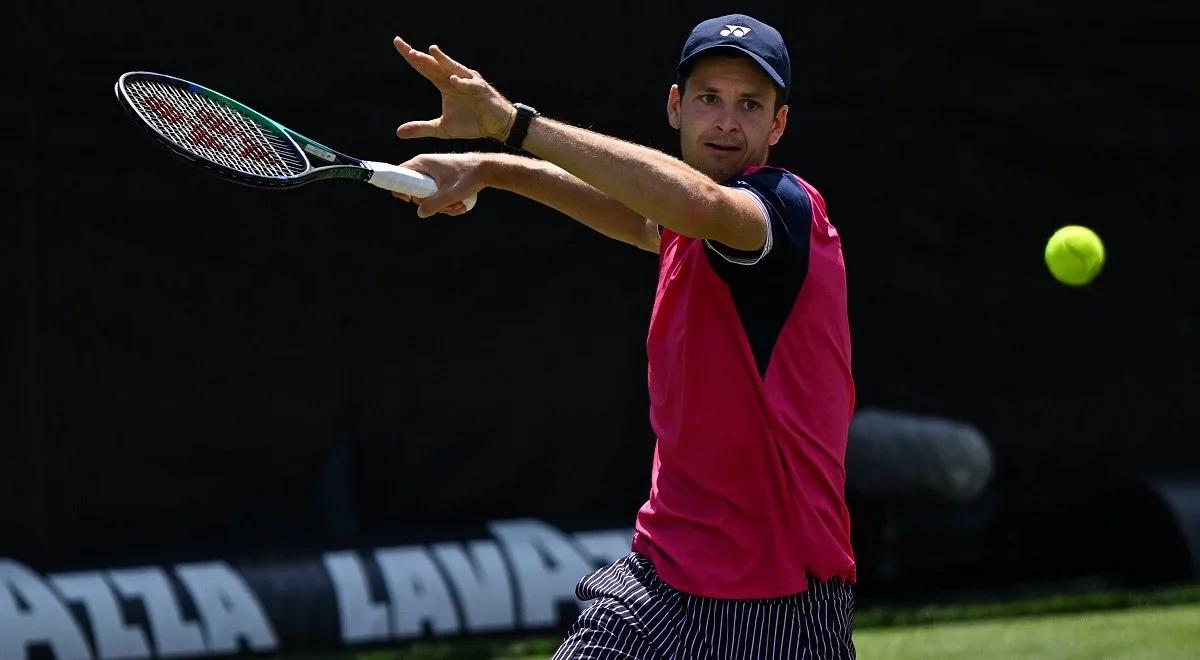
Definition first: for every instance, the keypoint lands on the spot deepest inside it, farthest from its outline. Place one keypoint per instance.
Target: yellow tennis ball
(1074, 255)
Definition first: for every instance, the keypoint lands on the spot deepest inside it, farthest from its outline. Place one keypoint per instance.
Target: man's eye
(752, 105)
(708, 98)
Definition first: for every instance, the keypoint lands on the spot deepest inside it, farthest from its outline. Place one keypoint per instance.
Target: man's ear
(778, 125)
(673, 107)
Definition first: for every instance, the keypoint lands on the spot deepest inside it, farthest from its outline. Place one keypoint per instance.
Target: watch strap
(520, 127)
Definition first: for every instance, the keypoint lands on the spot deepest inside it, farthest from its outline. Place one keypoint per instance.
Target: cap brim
(771, 73)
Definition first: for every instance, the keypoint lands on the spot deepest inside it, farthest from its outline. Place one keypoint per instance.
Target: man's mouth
(721, 147)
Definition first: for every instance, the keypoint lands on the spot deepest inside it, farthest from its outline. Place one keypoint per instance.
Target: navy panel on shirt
(764, 290)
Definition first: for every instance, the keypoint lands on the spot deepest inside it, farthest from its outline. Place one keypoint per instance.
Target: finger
(424, 63)
(401, 45)
(419, 129)
(401, 196)
(440, 202)
(420, 61)
(427, 210)
(457, 208)
(448, 62)
(430, 206)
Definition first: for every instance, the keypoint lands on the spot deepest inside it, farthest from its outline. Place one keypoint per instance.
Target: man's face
(726, 116)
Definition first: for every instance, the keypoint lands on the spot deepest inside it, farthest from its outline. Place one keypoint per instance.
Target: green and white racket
(233, 141)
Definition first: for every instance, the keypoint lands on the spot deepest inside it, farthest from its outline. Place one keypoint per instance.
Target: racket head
(226, 137)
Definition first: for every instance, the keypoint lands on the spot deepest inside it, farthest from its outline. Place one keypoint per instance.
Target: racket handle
(403, 180)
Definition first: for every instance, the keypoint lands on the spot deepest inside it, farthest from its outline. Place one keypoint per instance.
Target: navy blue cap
(750, 36)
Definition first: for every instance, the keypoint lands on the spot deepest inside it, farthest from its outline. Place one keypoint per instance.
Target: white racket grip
(403, 180)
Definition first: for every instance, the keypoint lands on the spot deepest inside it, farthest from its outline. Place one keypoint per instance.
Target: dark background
(199, 367)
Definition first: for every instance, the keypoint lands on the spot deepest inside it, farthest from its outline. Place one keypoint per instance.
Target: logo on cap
(735, 30)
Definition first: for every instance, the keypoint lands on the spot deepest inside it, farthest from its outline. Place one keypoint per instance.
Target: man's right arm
(542, 182)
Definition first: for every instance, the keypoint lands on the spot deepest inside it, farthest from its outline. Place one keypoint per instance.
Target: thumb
(419, 129)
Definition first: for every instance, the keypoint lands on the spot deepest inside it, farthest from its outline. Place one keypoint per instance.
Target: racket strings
(214, 131)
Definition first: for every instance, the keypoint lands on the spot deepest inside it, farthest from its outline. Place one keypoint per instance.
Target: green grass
(1163, 624)
(1158, 633)
(1035, 606)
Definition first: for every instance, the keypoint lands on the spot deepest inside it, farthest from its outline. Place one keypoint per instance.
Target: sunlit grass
(1163, 624)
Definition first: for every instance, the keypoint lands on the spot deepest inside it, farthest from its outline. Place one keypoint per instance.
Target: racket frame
(333, 164)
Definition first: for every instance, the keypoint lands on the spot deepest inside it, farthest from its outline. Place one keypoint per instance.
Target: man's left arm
(647, 181)
(652, 183)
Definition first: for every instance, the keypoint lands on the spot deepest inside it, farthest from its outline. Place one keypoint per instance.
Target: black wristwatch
(520, 127)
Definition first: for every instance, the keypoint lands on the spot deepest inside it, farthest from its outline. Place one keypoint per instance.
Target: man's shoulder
(777, 185)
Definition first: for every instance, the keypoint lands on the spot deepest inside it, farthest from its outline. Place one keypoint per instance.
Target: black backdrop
(198, 366)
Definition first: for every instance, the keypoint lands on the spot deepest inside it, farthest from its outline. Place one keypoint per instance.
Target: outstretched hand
(471, 108)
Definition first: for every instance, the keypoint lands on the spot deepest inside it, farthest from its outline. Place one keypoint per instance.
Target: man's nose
(725, 121)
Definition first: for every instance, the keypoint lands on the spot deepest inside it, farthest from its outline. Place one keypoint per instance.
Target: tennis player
(743, 548)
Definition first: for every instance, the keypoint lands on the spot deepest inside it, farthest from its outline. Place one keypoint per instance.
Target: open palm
(471, 108)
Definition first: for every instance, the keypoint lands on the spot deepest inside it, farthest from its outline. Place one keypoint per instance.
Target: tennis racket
(233, 141)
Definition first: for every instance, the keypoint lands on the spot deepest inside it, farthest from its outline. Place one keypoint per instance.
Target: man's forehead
(734, 71)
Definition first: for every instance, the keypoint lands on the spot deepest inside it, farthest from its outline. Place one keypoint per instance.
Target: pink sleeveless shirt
(751, 396)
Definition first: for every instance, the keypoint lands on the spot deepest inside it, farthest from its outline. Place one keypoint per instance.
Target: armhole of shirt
(745, 257)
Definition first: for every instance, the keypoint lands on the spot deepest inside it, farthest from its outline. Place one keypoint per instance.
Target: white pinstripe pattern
(637, 615)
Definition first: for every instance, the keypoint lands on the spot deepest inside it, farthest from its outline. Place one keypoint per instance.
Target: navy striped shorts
(638, 616)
